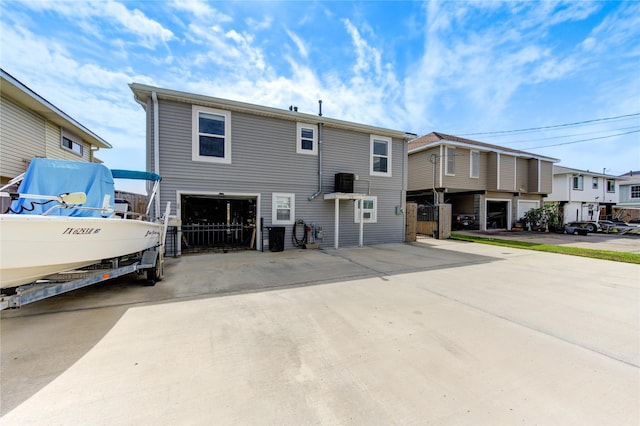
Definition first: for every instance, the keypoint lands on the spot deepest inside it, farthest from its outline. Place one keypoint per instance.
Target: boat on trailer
(63, 218)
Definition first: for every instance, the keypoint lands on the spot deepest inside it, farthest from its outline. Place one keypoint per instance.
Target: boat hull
(34, 246)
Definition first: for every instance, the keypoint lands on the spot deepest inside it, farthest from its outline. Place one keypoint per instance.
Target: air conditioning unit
(344, 182)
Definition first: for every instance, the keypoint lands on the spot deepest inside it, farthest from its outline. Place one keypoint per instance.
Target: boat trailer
(150, 261)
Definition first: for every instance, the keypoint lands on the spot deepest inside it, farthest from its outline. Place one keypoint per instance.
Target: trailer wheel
(156, 274)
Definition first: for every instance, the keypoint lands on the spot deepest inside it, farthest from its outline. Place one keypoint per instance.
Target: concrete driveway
(439, 332)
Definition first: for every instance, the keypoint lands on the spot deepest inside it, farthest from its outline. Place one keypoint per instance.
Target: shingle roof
(436, 138)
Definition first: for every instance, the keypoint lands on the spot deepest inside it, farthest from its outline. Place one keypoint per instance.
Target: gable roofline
(433, 139)
(15, 89)
(562, 170)
(142, 94)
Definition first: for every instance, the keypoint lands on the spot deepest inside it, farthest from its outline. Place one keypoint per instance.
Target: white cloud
(302, 48)
(201, 10)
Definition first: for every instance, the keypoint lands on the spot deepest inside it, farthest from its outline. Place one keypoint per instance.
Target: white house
(629, 196)
(583, 194)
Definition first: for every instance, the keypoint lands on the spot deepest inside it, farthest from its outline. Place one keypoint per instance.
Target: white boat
(67, 231)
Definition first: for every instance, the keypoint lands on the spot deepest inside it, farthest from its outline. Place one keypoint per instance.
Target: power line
(583, 140)
(568, 136)
(551, 127)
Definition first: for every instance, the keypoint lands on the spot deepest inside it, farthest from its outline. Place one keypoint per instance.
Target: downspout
(320, 126)
(156, 146)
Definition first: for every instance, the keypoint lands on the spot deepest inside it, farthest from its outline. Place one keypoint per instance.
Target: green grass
(548, 248)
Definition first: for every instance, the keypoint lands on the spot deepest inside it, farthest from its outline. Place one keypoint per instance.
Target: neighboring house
(629, 196)
(225, 163)
(582, 194)
(496, 185)
(30, 126)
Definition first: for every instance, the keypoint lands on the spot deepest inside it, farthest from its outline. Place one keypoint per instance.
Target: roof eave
(23, 94)
(142, 92)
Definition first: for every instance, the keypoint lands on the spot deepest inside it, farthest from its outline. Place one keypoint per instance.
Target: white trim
(374, 212)
(447, 172)
(389, 143)
(441, 160)
(515, 174)
(195, 135)
(314, 129)
(75, 141)
(471, 164)
(539, 189)
(498, 172)
(256, 196)
(274, 208)
(508, 212)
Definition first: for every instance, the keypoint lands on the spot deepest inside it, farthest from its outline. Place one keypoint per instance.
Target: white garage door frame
(526, 205)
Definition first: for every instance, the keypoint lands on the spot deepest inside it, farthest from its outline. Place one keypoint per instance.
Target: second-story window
(594, 185)
(306, 139)
(380, 156)
(211, 135)
(450, 167)
(635, 191)
(611, 186)
(474, 171)
(577, 183)
(72, 143)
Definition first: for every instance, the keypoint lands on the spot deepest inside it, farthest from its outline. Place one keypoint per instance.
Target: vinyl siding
(23, 137)
(522, 175)
(533, 169)
(507, 172)
(462, 179)
(264, 161)
(546, 177)
(492, 171)
(421, 170)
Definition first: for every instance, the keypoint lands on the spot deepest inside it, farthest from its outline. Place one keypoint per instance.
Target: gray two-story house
(241, 169)
(33, 127)
(493, 184)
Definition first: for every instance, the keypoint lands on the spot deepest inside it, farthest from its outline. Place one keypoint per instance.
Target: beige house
(491, 184)
(30, 126)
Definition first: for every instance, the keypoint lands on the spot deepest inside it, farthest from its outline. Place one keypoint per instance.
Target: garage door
(525, 206)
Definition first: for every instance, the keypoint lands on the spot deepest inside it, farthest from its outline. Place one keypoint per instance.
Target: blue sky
(449, 66)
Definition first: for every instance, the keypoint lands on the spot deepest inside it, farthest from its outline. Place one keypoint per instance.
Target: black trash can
(276, 238)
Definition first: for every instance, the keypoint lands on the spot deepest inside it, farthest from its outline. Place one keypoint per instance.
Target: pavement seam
(533, 328)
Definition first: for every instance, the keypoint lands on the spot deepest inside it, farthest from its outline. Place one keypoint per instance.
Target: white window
(594, 184)
(283, 208)
(635, 191)
(450, 167)
(211, 135)
(611, 186)
(307, 139)
(72, 143)
(369, 213)
(577, 183)
(380, 156)
(474, 165)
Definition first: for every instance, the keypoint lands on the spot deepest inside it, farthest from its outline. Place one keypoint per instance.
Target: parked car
(464, 221)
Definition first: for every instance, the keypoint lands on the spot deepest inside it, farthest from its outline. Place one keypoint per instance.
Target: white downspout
(156, 146)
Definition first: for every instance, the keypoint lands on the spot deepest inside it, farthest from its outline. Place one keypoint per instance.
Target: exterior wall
(624, 194)
(546, 177)
(523, 175)
(421, 170)
(492, 171)
(264, 161)
(507, 173)
(563, 190)
(23, 137)
(26, 135)
(462, 178)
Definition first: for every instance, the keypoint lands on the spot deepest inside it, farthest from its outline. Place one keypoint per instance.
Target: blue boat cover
(50, 177)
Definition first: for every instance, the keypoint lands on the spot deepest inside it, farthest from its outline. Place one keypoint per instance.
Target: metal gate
(428, 220)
